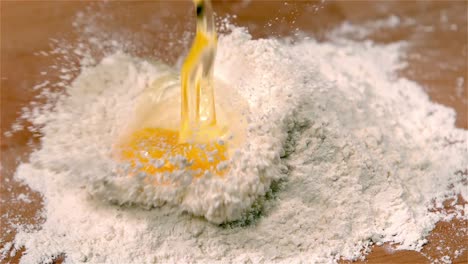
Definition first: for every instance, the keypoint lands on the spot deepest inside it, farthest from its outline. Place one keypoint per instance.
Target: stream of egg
(196, 146)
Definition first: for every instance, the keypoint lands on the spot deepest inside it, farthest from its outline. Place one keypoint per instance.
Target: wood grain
(436, 58)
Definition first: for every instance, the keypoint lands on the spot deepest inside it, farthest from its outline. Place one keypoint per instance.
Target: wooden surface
(437, 56)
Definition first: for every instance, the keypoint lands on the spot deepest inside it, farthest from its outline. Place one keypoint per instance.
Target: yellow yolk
(194, 148)
(156, 150)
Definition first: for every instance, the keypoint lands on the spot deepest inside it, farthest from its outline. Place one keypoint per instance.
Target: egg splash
(194, 142)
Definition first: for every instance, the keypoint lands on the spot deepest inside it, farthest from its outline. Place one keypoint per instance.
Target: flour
(341, 154)
(362, 32)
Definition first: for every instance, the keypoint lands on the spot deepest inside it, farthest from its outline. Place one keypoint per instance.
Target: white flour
(365, 155)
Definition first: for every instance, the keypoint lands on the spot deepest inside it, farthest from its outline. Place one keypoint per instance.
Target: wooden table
(436, 59)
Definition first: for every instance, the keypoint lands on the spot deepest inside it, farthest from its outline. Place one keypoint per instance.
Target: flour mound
(362, 156)
(81, 132)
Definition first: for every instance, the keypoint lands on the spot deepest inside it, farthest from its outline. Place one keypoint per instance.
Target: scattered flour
(24, 198)
(362, 32)
(341, 154)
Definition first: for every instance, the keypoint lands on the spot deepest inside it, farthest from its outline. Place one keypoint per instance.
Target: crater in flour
(100, 105)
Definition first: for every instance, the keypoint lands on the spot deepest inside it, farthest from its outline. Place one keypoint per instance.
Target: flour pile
(341, 154)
